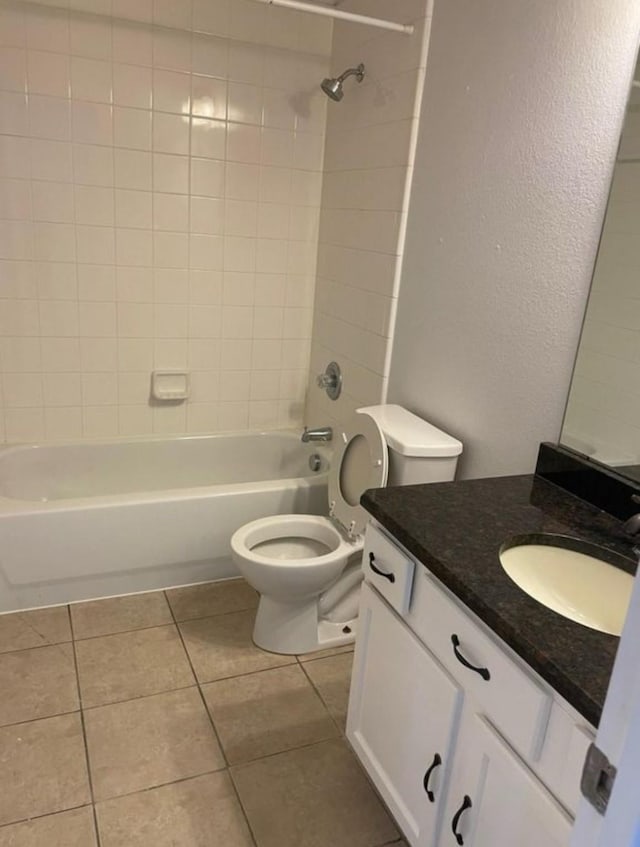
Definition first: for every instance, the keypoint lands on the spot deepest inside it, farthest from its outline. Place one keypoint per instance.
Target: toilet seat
(361, 462)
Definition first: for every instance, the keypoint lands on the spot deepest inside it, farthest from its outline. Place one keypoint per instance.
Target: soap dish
(170, 385)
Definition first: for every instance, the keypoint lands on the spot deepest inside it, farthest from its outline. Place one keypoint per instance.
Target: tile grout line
(149, 788)
(173, 621)
(106, 705)
(286, 751)
(341, 732)
(41, 718)
(35, 647)
(45, 815)
(248, 673)
(227, 767)
(84, 733)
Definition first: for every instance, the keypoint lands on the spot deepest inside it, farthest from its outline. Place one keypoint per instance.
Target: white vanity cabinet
(466, 745)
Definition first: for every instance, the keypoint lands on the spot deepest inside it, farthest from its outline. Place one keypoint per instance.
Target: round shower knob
(331, 380)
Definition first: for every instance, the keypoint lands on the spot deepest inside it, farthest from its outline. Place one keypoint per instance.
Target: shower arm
(329, 12)
(357, 72)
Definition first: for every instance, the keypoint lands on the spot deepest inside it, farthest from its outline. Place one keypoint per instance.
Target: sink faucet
(632, 525)
(321, 433)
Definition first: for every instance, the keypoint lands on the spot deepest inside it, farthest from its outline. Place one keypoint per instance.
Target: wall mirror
(602, 418)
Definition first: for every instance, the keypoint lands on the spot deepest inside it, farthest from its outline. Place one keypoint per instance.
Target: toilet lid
(360, 462)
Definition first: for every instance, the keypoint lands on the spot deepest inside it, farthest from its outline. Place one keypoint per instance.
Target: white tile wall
(160, 183)
(370, 144)
(603, 413)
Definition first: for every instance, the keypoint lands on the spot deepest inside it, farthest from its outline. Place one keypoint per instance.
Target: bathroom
(178, 197)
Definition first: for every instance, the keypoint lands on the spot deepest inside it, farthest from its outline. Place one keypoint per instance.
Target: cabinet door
(403, 712)
(494, 800)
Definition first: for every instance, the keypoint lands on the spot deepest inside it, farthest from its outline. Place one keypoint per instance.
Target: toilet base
(294, 628)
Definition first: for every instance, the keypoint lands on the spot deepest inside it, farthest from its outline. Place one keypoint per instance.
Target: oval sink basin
(579, 586)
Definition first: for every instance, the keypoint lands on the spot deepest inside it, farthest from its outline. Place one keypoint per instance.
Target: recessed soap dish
(170, 385)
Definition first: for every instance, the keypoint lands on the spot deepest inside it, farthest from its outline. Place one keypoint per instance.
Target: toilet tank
(418, 451)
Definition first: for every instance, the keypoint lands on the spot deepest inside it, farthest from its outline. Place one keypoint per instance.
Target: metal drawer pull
(437, 761)
(484, 672)
(466, 804)
(391, 577)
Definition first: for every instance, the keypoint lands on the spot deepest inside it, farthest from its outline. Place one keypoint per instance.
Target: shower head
(333, 87)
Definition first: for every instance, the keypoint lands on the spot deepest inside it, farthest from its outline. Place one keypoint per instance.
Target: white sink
(579, 586)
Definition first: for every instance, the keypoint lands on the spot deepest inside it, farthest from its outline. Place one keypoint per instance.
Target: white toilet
(306, 568)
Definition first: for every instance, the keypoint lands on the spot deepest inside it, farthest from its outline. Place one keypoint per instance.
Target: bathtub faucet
(320, 433)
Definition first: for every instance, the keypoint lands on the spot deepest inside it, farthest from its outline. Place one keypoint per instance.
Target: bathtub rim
(15, 505)
(95, 441)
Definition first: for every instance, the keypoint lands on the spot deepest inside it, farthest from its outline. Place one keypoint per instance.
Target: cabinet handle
(437, 761)
(391, 577)
(484, 672)
(466, 804)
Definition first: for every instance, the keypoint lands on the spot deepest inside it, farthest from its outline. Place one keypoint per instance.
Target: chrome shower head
(332, 87)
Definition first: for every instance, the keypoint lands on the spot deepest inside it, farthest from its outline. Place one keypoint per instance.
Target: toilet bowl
(307, 568)
(293, 556)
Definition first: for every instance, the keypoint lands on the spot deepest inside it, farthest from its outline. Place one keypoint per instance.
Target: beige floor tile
(66, 829)
(221, 647)
(37, 683)
(332, 678)
(42, 768)
(22, 630)
(200, 812)
(267, 712)
(312, 797)
(119, 614)
(150, 741)
(131, 664)
(322, 654)
(212, 598)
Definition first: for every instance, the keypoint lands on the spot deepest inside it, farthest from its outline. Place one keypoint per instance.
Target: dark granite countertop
(456, 530)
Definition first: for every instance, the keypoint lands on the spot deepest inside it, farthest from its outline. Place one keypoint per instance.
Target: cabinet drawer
(516, 705)
(388, 569)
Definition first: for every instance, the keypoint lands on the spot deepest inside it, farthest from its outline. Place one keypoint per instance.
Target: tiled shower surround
(368, 169)
(160, 184)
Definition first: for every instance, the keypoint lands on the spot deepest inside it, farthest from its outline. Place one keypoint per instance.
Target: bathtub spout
(321, 433)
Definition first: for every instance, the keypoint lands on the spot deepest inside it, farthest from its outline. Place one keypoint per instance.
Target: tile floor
(152, 720)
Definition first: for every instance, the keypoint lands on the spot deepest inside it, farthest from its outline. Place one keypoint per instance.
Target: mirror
(602, 418)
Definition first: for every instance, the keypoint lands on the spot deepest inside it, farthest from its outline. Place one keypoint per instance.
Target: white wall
(521, 116)
(603, 413)
(368, 165)
(159, 208)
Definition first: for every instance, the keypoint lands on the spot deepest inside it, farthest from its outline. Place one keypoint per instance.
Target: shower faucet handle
(331, 380)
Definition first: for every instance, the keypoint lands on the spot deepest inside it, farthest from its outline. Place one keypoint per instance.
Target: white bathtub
(79, 521)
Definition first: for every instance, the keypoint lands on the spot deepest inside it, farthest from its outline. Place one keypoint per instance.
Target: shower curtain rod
(330, 12)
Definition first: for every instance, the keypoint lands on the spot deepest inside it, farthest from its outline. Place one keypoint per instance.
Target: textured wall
(159, 208)
(521, 116)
